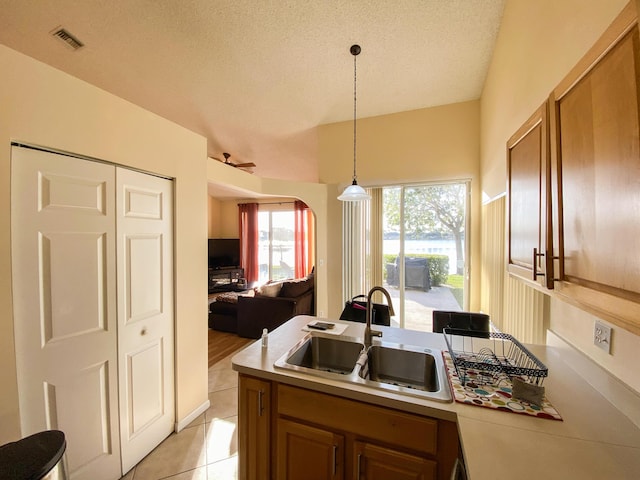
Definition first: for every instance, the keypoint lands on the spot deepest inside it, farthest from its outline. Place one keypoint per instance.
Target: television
(224, 253)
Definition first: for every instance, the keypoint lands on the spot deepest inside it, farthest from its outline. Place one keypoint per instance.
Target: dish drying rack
(492, 358)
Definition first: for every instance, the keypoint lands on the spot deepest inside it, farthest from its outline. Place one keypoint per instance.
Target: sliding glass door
(425, 250)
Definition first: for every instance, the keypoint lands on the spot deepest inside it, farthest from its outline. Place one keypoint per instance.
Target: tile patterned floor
(208, 448)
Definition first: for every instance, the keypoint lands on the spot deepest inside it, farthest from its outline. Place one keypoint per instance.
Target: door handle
(358, 466)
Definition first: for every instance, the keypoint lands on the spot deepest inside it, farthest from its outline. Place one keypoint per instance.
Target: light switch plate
(602, 336)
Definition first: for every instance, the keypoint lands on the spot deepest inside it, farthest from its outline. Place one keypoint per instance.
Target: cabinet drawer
(368, 421)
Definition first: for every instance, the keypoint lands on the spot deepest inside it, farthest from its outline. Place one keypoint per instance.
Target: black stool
(478, 322)
(37, 457)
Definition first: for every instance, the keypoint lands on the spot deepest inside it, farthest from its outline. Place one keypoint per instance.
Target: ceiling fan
(226, 161)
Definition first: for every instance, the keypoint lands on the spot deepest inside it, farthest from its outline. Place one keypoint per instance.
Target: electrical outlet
(321, 313)
(602, 336)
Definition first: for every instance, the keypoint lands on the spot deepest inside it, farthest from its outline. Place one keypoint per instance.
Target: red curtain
(249, 241)
(303, 241)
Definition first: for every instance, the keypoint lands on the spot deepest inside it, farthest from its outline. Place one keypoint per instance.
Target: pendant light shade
(354, 192)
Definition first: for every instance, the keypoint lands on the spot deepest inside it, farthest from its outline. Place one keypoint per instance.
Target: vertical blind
(514, 307)
(374, 240)
(353, 248)
(493, 260)
(362, 245)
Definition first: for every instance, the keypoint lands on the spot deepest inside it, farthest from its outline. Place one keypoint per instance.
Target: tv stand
(225, 279)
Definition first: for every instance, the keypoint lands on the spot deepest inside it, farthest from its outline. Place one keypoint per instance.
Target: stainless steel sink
(326, 354)
(403, 369)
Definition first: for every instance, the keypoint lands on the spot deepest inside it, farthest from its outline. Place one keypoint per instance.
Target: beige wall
(223, 218)
(214, 217)
(230, 225)
(538, 43)
(43, 106)
(427, 145)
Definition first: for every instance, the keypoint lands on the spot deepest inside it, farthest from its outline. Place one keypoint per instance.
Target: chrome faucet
(368, 333)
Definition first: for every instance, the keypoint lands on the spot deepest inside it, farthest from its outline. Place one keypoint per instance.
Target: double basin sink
(404, 369)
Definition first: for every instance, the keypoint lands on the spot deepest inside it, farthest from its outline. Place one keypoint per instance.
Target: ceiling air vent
(67, 38)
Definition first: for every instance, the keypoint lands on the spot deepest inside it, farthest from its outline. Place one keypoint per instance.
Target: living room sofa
(268, 306)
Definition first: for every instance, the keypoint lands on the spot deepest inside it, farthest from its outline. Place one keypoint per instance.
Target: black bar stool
(478, 322)
(37, 457)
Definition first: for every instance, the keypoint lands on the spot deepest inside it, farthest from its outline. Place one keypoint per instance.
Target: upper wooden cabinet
(574, 183)
(595, 152)
(528, 190)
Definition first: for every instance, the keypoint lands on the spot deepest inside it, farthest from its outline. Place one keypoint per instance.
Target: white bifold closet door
(92, 268)
(145, 312)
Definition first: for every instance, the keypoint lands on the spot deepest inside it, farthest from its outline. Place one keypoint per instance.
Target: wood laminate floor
(222, 344)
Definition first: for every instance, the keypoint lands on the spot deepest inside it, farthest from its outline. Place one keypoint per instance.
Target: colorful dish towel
(497, 397)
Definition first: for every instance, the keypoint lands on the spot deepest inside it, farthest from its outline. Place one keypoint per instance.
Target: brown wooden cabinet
(304, 434)
(375, 462)
(309, 453)
(574, 183)
(254, 427)
(595, 139)
(379, 443)
(529, 206)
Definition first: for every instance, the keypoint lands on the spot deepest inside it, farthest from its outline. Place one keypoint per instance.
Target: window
(277, 240)
(276, 254)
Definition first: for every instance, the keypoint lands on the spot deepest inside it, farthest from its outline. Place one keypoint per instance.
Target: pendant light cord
(354, 192)
(355, 77)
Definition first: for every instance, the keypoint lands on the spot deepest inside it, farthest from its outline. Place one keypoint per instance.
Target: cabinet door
(308, 453)
(597, 164)
(528, 201)
(373, 462)
(254, 418)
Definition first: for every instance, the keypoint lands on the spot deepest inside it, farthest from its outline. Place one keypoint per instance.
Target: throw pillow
(229, 297)
(295, 288)
(269, 290)
(232, 297)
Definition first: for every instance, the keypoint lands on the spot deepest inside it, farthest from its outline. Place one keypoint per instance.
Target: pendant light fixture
(354, 192)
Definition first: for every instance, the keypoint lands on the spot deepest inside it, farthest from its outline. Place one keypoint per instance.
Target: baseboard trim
(181, 424)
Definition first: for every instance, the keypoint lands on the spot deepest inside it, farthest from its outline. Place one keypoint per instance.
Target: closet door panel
(145, 312)
(63, 264)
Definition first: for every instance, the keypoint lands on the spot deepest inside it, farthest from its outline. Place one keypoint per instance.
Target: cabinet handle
(335, 460)
(260, 402)
(536, 274)
(358, 466)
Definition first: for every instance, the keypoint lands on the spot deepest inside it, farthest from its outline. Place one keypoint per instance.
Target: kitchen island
(595, 440)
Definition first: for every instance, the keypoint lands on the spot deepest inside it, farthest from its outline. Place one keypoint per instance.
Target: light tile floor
(208, 448)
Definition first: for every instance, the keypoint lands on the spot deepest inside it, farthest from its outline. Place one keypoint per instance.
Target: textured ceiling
(256, 76)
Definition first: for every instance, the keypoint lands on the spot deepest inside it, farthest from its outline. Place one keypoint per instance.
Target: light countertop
(594, 440)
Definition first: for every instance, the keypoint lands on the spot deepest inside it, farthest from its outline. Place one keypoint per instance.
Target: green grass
(456, 282)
